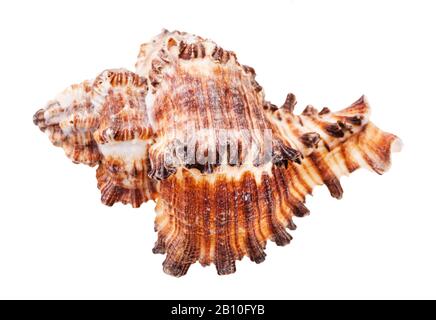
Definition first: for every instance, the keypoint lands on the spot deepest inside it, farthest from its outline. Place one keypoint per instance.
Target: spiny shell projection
(191, 130)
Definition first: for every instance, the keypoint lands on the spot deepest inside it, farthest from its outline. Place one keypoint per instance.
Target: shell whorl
(198, 91)
(104, 121)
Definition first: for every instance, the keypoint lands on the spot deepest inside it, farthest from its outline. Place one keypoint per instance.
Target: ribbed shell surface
(191, 130)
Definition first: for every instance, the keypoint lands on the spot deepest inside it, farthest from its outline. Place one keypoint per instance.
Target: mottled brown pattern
(222, 101)
(213, 206)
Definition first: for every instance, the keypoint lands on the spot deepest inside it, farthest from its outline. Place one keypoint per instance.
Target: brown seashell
(192, 130)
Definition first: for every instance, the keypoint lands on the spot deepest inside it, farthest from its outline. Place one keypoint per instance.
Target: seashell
(191, 129)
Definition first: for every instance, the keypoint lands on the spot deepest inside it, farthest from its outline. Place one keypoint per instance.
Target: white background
(58, 241)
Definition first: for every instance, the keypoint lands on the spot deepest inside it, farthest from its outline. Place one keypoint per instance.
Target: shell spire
(104, 121)
(191, 129)
(69, 121)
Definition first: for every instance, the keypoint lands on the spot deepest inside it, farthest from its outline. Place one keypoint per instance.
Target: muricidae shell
(191, 130)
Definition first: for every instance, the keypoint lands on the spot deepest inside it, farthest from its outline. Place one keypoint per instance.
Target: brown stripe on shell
(255, 247)
(299, 188)
(224, 258)
(262, 221)
(212, 196)
(191, 250)
(240, 251)
(282, 187)
(296, 206)
(185, 50)
(278, 233)
(175, 262)
(202, 50)
(263, 218)
(328, 177)
(206, 222)
(348, 160)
